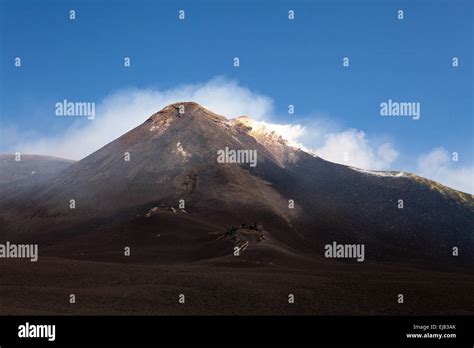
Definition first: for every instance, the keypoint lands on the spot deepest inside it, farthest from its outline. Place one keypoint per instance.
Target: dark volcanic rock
(173, 157)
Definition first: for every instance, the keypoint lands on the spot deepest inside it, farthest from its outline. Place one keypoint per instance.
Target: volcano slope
(154, 214)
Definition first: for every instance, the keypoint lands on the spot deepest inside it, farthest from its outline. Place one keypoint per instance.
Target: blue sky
(291, 62)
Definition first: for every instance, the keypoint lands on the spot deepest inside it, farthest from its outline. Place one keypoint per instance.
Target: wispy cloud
(126, 109)
(352, 147)
(439, 166)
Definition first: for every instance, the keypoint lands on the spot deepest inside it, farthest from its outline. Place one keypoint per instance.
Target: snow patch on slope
(380, 173)
(180, 149)
(289, 133)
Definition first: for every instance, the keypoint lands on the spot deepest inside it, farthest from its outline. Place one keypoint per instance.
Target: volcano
(163, 206)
